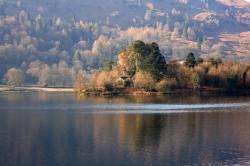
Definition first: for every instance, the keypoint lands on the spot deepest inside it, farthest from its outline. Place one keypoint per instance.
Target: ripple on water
(132, 108)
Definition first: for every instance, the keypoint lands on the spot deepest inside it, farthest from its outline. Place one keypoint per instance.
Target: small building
(124, 81)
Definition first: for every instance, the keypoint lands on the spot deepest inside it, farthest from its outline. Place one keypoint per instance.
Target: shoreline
(35, 89)
(202, 91)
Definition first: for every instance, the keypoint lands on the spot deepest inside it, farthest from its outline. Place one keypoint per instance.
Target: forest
(52, 52)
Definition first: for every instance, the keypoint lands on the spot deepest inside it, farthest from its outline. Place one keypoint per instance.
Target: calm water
(62, 129)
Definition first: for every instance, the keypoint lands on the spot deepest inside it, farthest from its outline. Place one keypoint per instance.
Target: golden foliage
(166, 84)
(81, 82)
(100, 78)
(143, 80)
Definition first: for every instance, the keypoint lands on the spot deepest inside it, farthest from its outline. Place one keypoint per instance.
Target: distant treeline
(44, 51)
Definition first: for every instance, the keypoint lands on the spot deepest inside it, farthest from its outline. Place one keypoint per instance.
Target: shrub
(108, 86)
(183, 76)
(81, 82)
(194, 81)
(166, 84)
(99, 79)
(199, 60)
(143, 80)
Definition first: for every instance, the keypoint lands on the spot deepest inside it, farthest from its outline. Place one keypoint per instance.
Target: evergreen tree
(190, 60)
(147, 58)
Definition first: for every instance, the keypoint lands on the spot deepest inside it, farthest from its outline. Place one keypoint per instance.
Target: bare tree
(14, 77)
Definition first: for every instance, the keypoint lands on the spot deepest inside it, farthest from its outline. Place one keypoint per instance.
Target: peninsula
(142, 69)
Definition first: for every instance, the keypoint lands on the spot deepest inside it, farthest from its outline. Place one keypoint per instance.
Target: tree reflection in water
(61, 137)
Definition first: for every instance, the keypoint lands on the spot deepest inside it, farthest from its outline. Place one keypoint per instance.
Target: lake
(56, 129)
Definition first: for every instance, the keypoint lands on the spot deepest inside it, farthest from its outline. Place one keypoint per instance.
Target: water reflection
(70, 138)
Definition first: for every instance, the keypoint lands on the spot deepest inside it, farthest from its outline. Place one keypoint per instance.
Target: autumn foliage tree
(81, 82)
